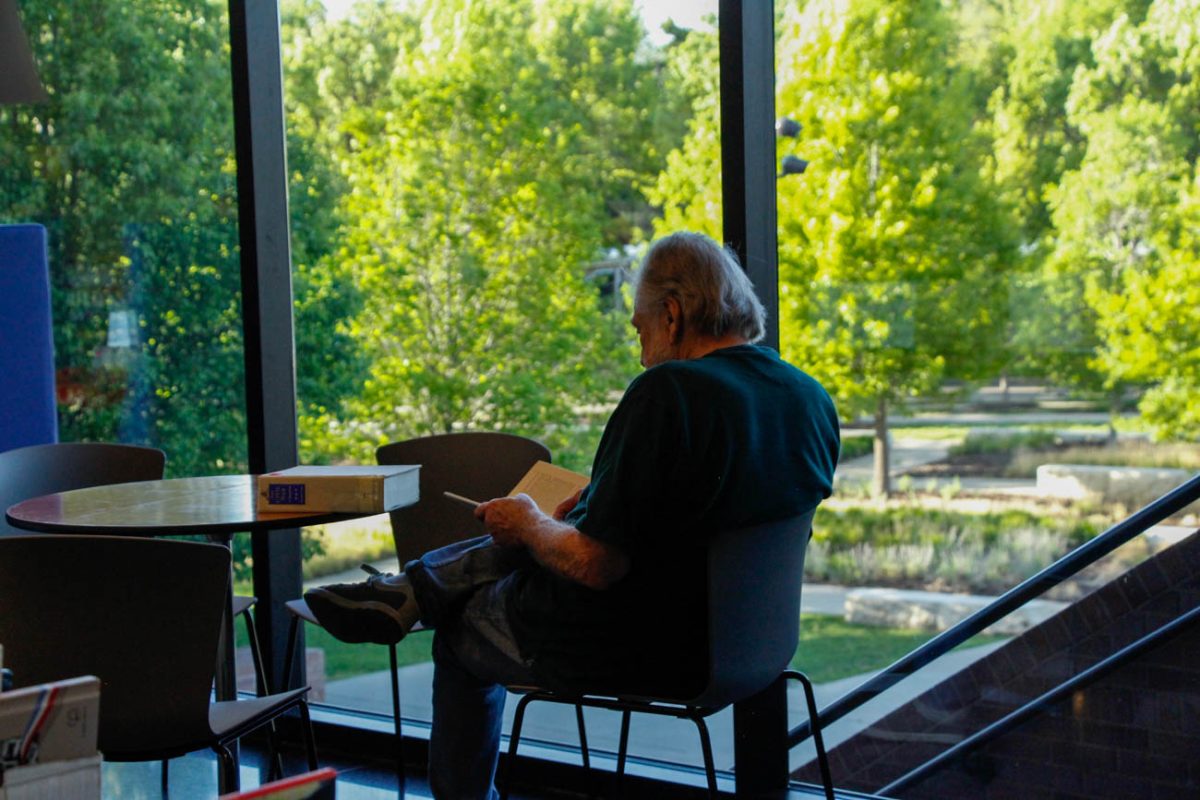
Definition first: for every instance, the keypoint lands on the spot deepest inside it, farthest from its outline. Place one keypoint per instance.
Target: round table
(217, 506)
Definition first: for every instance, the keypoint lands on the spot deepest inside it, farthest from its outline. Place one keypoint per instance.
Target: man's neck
(698, 348)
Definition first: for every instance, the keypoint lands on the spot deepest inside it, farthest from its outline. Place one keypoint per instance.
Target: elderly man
(608, 593)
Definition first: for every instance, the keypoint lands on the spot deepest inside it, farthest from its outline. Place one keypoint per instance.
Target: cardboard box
(366, 490)
(48, 741)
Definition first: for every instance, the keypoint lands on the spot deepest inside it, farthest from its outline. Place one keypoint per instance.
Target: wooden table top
(220, 504)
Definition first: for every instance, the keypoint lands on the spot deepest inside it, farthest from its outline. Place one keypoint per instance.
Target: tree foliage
(128, 166)
(1126, 218)
(471, 206)
(894, 251)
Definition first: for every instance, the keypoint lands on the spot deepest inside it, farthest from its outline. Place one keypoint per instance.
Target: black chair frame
(479, 464)
(749, 569)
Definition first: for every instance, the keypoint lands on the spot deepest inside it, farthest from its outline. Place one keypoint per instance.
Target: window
(129, 167)
(470, 185)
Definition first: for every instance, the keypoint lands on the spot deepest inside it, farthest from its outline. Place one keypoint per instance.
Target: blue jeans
(461, 590)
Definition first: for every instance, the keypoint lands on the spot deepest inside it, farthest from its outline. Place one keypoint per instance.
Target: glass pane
(471, 187)
(129, 166)
(980, 210)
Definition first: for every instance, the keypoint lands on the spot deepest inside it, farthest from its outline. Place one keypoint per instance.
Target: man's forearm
(574, 555)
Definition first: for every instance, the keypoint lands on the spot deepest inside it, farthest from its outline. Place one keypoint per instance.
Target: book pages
(549, 485)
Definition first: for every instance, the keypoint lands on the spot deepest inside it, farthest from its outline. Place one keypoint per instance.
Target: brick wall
(1133, 734)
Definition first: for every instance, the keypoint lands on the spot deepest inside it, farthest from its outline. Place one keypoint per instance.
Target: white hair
(713, 290)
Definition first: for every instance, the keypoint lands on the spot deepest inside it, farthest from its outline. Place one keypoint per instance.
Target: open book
(547, 484)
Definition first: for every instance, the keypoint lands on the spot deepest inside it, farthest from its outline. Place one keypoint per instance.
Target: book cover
(318, 785)
(359, 489)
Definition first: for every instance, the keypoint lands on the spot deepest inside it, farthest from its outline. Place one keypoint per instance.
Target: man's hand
(517, 521)
(562, 509)
(508, 519)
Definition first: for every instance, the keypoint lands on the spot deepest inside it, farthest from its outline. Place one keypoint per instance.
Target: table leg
(760, 743)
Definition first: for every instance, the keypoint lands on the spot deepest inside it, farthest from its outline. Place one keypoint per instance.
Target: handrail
(1084, 555)
(1013, 719)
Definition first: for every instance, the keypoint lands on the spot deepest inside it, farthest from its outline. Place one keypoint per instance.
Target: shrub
(911, 547)
(856, 446)
(987, 442)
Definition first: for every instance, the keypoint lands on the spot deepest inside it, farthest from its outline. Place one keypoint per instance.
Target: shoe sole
(356, 621)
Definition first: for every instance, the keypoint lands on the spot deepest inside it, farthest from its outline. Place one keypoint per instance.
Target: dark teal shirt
(735, 438)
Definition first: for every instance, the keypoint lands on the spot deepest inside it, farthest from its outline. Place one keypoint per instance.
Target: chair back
(754, 579)
(143, 615)
(46, 468)
(479, 465)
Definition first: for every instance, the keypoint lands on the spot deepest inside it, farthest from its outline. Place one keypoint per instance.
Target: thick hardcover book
(371, 490)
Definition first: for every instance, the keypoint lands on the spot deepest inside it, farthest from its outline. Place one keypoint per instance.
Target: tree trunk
(1114, 411)
(881, 483)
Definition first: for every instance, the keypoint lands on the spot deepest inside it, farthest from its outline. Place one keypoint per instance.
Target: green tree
(134, 146)
(894, 251)
(1036, 143)
(1126, 217)
(688, 190)
(470, 211)
(130, 166)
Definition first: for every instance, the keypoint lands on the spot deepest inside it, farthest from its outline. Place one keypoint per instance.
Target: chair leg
(164, 778)
(622, 751)
(810, 700)
(275, 755)
(514, 739)
(260, 674)
(583, 746)
(290, 653)
(710, 769)
(231, 781)
(310, 741)
(396, 714)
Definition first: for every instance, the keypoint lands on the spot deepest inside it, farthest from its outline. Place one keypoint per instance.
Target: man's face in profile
(650, 321)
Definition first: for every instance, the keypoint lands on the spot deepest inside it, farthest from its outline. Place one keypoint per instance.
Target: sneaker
(381, 609)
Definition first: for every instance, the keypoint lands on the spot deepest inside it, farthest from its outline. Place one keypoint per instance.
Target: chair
(480, 465)
(143, 615)
(754, 579)
(48, 468)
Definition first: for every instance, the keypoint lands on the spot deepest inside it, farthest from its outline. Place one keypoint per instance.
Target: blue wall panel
(27, 409)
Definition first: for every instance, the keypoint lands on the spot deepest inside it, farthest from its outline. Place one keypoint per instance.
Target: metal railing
(1067, 566)
(1039, 704)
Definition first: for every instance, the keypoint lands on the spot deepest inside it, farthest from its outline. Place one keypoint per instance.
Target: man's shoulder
(745, 369)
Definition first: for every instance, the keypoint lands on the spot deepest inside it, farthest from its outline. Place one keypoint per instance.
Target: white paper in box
(74, 779)
(365, 489)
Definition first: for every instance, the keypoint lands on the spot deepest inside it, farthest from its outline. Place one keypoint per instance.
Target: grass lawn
(829, 649)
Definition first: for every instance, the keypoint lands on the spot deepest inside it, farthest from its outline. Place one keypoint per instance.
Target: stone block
(1132, 486)
(936, 611)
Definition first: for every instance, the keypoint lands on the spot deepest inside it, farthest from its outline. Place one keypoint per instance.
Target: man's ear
(674, 317)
